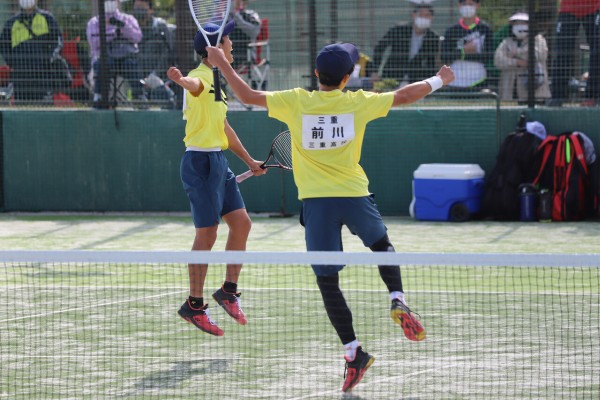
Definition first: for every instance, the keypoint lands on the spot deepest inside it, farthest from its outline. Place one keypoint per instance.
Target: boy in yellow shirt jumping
(327, 129)
(210, 184)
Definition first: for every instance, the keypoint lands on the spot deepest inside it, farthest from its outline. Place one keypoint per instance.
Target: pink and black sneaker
(200, 318)
(356, 368)
(231, 304)
(403, 316)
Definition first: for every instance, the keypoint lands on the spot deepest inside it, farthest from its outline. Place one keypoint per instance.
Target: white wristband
(435, 82)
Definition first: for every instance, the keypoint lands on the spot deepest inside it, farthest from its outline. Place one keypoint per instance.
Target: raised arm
(417, 90)
(192, 85)
(244, 93)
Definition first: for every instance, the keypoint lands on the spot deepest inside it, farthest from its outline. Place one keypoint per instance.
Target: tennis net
(91, 325)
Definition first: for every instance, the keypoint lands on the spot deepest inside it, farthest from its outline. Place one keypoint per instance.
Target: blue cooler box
(447, 192)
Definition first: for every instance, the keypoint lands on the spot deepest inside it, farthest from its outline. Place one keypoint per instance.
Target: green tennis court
(110, 330)
(146, 232)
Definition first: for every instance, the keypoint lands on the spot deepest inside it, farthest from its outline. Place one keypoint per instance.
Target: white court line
(89, 306)
(108, 357)
(179, 291)
(377, 381)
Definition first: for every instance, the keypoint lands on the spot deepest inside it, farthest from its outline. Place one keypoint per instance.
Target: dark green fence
(129, 161)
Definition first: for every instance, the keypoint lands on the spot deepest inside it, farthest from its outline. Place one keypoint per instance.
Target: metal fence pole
(104, 72)
(312, 43)
(531, 9)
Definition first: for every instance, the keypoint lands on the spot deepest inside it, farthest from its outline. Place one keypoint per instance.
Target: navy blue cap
(199, 41)
(336, 60)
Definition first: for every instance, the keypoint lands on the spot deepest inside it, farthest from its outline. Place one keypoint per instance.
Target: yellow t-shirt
(327, 134)
(205, 126)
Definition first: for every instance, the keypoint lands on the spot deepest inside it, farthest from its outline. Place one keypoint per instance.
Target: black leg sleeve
(390, 274)
(337, 310)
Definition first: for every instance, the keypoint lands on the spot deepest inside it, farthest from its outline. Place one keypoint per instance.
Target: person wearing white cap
(511, 58)
(327, 128)
(30, 43)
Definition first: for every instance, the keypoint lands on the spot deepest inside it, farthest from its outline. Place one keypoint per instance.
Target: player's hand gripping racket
(216, 12)
(280, 156)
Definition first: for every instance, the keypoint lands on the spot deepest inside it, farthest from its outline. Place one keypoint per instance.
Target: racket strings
(282, 149)
(214, 11)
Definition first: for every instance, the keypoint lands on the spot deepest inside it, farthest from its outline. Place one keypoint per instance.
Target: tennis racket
(280, 156)
(216, 12)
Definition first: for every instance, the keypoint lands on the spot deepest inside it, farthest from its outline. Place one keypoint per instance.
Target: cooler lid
(449, 171)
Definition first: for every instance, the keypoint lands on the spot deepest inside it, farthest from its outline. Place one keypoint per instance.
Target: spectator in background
(571, 15)
(247, 28)
(413, 50)
(511, 59)
(156, 51)
(468, 47)
(30, 43)
(123, 34)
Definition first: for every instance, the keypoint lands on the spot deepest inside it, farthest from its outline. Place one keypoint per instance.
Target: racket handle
(242, 177)
(217, 84)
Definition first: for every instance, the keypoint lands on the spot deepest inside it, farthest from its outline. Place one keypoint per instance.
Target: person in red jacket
(573, 14)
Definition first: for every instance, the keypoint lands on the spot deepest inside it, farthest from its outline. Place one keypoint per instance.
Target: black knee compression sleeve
(383, 244)
(390, 274)
(337, 310)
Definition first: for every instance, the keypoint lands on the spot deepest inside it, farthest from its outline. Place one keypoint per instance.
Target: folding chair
(255, 70)
(259, 58)
(6, 86)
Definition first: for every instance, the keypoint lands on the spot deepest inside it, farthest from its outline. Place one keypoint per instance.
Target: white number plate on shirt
(326, 132)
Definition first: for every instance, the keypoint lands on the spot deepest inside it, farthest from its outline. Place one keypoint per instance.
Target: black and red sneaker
(200, 318)
(403, 316)
(231, 304)
(356, 369)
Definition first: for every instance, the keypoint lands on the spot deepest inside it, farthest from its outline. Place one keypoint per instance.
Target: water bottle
(528, 200)
(522, 122)
(545, 206)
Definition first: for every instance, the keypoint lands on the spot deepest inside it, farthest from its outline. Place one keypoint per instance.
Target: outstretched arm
(417, 90)
(245, 93)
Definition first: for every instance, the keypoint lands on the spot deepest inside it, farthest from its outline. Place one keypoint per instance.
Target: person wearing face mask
(413, 49)
(123, 34)
(156, 52)
(511, 58)
(468, 47)
(30, 43)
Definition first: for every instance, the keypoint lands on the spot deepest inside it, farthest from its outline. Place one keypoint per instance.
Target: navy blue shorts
(324, 217)
(210, 185)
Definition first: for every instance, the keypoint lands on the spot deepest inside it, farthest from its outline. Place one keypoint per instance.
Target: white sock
(397, 296)
(350, 350)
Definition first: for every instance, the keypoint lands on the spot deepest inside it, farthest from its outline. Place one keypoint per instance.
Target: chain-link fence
(56, 57)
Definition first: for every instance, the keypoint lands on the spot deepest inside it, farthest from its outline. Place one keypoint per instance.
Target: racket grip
(242, 177)
(217, 84)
